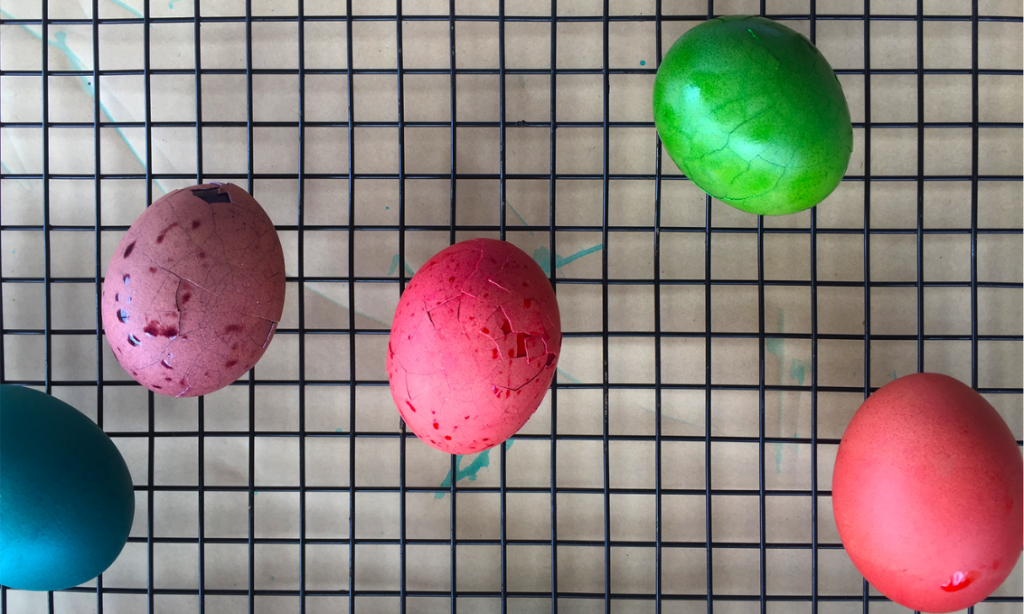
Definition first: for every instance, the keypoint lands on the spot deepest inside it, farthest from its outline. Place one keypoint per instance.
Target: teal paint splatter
(394, 265)
(469, 473)
(542, 256)
(561, 262)
(509, 205)
(172, 3)
(894, 374)
(567, 376)
(643, 63)
(60, 43)
(776, 347)
(798, 370)
(90, 88)
(131, 9)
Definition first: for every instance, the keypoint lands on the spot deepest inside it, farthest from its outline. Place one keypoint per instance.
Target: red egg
(473, 345)
(927, 492)
(195, 290)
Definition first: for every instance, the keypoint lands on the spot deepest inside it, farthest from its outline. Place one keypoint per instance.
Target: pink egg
(195, 290)
(927, 493)
(473, 346)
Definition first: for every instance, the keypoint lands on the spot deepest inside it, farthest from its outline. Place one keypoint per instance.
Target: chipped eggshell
(473, 346)
(195, 290)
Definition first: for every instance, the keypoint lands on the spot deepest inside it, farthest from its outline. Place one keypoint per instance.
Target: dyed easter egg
(927, 492)
(195, 290)
(752, 112)
(473, 345)
(66, 497)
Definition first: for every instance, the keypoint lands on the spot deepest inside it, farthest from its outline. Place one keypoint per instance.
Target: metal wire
(354, 437)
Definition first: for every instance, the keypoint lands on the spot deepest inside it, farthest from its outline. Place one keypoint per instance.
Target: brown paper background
(580, 516)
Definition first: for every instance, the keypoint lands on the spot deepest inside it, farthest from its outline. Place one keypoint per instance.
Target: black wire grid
(662, 597)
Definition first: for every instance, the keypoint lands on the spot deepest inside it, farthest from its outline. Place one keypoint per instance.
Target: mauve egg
(927, 492)
(473, 345)
(195, 290)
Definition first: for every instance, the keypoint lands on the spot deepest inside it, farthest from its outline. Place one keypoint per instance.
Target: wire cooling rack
(646, 480)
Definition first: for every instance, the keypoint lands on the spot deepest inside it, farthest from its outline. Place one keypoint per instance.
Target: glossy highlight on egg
(473, 346)
(194, 290)
(752, 112)
(927, 493)
(66, 496)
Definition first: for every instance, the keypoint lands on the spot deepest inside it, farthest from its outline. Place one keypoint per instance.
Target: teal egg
(66, 497)
(752, 112)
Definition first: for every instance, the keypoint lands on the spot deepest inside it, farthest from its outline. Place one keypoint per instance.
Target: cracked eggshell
(752, 112)
(473, 346)
(927, 493)
(195, 290)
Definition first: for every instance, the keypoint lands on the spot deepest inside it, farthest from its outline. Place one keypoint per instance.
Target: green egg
(752, 112)
(66, 497)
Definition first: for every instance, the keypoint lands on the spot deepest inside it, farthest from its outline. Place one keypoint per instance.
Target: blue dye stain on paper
(798, 370)
(469, 473)
(394, 265)
(59, 43)
(542, 256)
(509, 205)
(568, 376)
(131, 9)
